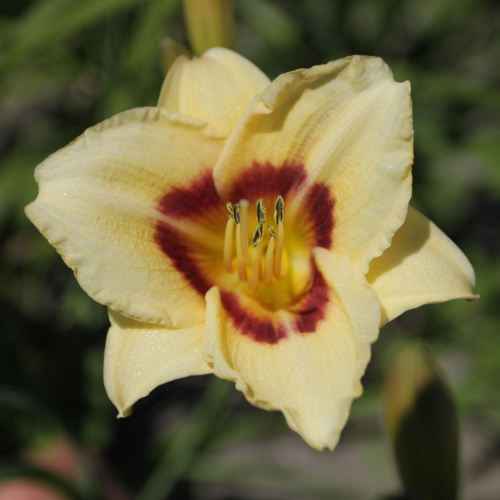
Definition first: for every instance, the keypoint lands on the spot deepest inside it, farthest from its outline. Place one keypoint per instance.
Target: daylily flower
(257, 230)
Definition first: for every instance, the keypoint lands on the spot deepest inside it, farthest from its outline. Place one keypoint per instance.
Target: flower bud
(210, 23)
(421, 421)
(170, 49)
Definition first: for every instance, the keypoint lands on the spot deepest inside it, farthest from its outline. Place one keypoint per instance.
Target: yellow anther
(256, 266)
(261, 211)
(272, 231)
(258, 236)
(230, 210)
(260, 269)
(236, 213)
(278, 210)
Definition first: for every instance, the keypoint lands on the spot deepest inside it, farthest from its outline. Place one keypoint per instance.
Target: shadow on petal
(408, 240)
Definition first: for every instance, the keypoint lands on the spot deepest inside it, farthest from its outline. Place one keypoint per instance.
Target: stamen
(261, 211)
(280, 243)
(228, 239)
(243, 204)
(228, 246)
(256, 267)
(258, 236)
(261, 219)
(268, 266)
(278, 209)
(236, 213)
(242, 267)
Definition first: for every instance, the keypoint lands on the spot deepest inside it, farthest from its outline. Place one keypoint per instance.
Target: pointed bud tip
(169, 50)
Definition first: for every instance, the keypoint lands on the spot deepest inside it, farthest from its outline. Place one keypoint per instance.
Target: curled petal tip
(124, 412)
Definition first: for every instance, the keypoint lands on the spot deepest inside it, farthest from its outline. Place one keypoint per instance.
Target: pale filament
(244, 229)
(242, 267)
(256, 265)
(280, 244)
(268, 266)
(255, 269)
(228, 246)
(272, 261)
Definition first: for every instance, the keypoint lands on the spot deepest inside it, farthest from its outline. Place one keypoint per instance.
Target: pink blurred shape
(19, 489)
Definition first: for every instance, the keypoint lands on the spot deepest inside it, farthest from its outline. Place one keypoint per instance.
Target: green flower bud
(170, 49)
(421, 421)
(210, 23)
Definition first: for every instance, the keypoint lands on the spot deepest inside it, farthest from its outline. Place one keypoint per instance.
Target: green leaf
(49, 20)
(271, 23)
(447, 87)
(153, 21)
(15, 400)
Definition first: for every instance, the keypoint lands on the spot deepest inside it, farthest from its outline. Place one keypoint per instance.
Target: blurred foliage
(68, 64)
(422, 424)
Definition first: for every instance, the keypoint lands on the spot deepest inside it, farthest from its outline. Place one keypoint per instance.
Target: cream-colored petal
(350, 125)
(311, 377)
(98, 204)
(422, 266)
(217, 87)
(139, 357)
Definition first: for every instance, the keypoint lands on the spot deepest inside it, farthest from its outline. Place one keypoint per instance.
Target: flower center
(268, 285)
(247, 253)
(253, 265)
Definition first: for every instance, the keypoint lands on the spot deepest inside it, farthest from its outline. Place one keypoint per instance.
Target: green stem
(186, 444)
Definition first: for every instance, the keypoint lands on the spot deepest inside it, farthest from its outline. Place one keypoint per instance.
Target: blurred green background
(68, 64)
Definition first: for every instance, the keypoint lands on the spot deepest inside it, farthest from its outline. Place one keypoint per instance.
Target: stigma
(253, 265)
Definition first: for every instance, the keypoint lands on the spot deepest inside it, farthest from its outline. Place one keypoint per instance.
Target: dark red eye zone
(307, 313)
(191, 201)
(200, 198)
(263, 180)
